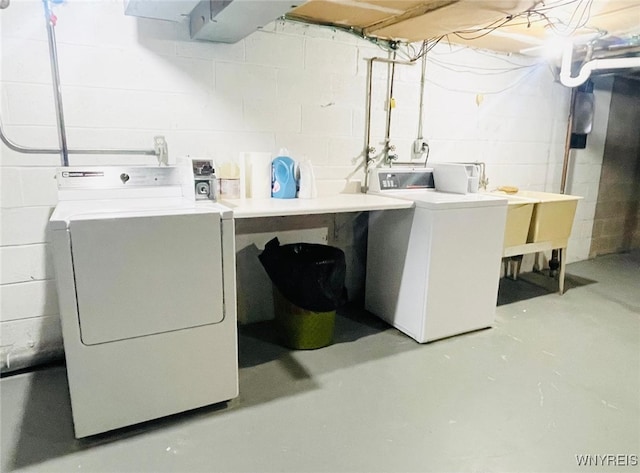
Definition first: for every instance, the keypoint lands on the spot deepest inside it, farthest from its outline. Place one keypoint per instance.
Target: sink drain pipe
(554, 262)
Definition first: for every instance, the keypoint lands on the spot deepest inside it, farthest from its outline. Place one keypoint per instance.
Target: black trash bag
(310, 276)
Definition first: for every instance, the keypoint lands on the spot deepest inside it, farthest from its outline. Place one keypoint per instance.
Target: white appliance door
(142, 275)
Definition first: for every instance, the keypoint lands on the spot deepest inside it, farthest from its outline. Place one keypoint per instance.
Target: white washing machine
(433, 270)
(146, 287)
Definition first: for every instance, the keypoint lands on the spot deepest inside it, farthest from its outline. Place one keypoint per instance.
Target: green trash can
(308, 287)
(299, 328)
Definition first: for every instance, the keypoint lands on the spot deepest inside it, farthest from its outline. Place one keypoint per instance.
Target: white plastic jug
(308, 189)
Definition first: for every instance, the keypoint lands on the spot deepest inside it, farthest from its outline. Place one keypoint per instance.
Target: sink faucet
(483, 182)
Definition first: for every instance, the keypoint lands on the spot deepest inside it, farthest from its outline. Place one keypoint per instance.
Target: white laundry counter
(338, 203)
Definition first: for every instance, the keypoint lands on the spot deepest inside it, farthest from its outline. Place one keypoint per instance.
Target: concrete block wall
(616, 225)
(127, 79)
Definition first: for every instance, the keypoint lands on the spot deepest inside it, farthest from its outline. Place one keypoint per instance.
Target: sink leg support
(518, 265)
(562, 253)
(536, 262)
(513, 265)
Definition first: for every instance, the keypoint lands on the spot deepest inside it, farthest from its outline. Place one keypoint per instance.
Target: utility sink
(519, 213)
(552, 217)
(538, 221)
(545, 215)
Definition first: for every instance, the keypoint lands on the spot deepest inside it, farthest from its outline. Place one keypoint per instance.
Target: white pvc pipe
(586, 69)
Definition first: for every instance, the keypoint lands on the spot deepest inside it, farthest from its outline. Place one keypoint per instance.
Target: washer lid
(435, 200)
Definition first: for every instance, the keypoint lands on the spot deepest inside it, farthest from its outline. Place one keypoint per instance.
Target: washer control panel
(393, 179)
(94, 177)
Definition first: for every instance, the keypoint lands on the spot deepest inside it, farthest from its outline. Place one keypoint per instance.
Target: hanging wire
(514, 84)
(479, 70)
(535, 15)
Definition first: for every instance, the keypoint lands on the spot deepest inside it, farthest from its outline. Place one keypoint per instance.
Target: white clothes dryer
(146, 287)
(433, 270)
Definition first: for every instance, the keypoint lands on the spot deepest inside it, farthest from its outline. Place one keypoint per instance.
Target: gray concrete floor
(555, 378)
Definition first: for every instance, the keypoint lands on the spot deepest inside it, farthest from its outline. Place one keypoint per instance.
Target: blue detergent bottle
(283, 176)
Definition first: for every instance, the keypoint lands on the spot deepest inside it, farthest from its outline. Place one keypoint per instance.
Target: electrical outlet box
(420, 150)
